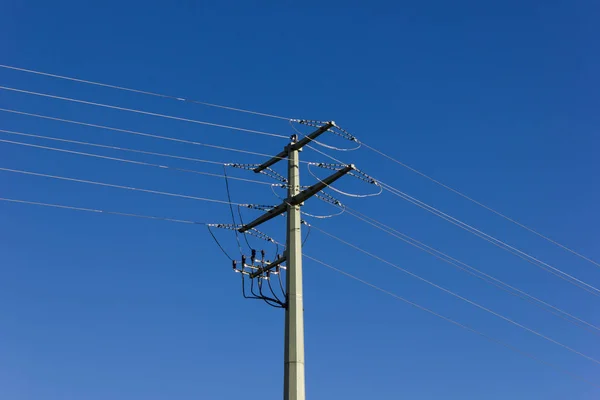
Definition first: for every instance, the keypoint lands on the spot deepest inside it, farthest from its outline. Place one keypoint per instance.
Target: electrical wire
(273, 292)
(281, 284)
(218, 243)
(519, 253)
(503, 245)
(461, 194)
(91, 103)
(360, 196)
(471, 302)
(242, 223)
(142, 92)
(260, 295)
(456, 323)
(309, 226)
(340, 205)
(124, 160)
(413, 304)
(195, 143)
(447, 187)
(273, 301)
(103, 146)
(475, 272)
(267, 299)
(184, 196)
(455, 191)
(300, 134)
(99, 211)
(237, 237)
(325, 154)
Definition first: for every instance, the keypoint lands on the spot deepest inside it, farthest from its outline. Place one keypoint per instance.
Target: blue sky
(498, 100)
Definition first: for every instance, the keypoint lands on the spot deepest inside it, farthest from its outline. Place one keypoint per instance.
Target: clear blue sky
(498, 99)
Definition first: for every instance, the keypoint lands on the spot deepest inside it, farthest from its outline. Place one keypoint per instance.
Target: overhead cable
(413, 304)
(497, 242)
(142, 92)
(447, 187)
(99, 211)
(519, 253)
(124, 160)
(72, 100)
(104, 146)
(471, 302)
(481, 205)
(474, 271)
(131, 132)
(184, 196)
(447, 319)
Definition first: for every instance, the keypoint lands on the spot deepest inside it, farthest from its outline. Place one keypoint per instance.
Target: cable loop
(342, 210)
(362, 178)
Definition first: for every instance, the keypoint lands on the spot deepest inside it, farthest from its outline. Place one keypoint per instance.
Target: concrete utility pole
(293, 378)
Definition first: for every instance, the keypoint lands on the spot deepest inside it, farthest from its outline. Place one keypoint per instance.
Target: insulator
(262, 255)
(243, 261)
(234, 262)
(253, 256)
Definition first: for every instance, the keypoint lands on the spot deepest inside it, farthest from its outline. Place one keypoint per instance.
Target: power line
(117, 186)
(289, 119)
(497, 242)
(473, 303)
(281, 136)
(237, 236)
(520, 252)
(527, 257)
(111, 147)
(481, 204)
(503, 245)
(508, 346)
(143, 92)
(449, 188)
(474, 271)
(142, 112)
(124, 160)
(99, 211)
(138, 133)
(447, 319)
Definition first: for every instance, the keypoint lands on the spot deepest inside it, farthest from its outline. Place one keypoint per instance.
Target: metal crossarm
(295, 146)
(269, 267)
(298, 199)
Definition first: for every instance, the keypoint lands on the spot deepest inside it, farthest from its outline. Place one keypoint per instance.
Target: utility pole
(293, 378)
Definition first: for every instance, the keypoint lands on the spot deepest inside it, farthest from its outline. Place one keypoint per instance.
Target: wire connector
(335, 129)
(252, 232)
(270, 172)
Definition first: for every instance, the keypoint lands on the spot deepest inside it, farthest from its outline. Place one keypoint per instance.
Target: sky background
(497, 99)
